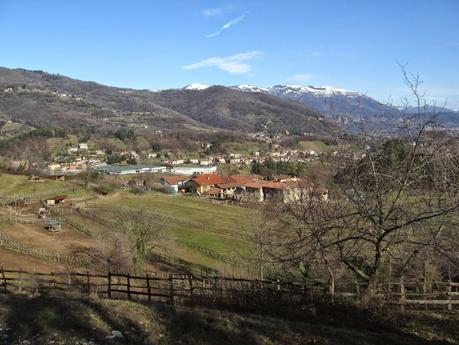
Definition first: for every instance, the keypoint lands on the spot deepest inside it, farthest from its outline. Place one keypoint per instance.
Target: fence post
(20, 280)
(424, 291)
(402, 295)
(450, 296)
(148, 286)
(109, 287)
(357, 290)
(191, 287)
(128, 285)
(4, 279)
(88, 283)
(171, 288)
(332, 288)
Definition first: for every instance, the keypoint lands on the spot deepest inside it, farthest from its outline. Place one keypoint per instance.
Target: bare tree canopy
(393, 202)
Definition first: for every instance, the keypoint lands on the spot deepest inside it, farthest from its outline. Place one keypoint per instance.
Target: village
(236, 176)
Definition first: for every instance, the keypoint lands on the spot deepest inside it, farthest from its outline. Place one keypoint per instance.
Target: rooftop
(207, 179)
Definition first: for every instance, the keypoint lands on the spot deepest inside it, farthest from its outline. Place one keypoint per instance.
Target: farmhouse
(226, 190)
(250, 191)
(202, 184)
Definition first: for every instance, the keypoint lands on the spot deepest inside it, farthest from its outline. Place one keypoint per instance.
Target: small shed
(56, 200)
(57, 177)
(54, 224)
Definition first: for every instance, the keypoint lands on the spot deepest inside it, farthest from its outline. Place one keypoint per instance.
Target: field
(16, 186)
(194, 230)
(188, 223)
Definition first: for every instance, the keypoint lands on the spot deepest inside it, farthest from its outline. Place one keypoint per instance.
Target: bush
(103, 190)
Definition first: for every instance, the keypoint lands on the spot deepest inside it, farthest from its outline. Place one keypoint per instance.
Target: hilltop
(38, 98)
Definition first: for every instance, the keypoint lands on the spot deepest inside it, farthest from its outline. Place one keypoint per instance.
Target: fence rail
(10, 243)
(230, 290)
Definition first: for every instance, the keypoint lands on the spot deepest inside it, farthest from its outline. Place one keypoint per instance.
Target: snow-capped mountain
(348, 108)
(196, 86)
(328, 100)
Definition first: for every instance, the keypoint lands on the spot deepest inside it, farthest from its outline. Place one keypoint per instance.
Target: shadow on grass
(75, 318)
(69, 318)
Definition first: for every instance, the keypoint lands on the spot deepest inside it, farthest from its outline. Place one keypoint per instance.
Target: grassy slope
(316, 146)
(217, 227)
(47, 320)
(19, 185)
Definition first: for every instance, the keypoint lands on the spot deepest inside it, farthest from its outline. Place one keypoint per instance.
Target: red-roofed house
(202, 184)
(269, 190)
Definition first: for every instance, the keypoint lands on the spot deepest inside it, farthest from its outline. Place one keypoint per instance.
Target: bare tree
(392, 199)
(142, 228)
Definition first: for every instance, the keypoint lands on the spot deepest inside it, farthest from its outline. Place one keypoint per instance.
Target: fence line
(229, 290)
(77, 226)
(9, 243)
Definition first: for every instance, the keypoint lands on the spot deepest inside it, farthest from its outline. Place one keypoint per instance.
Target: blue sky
(164, 44)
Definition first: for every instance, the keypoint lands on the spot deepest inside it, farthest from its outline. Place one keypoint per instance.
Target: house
(202, 184)
(250, 191)
(173, 183)
(72, 149)
(226, 190)
(282, 191)
(259, 191)
(83, 146)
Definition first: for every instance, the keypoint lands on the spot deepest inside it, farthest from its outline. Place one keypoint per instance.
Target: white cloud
(227, 26)
(217, 11)
(300, 78)
(234, 64)
(212, 12)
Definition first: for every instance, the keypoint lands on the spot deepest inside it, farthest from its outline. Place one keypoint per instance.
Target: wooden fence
(10, 243)
(62, 214)
(228, 290)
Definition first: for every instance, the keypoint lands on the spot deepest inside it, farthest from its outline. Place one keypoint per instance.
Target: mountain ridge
(38, 99)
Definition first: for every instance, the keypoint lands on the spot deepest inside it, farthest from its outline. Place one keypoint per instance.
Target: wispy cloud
(234, 64)
(216, 11)
(300, 78)
(227, 25)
